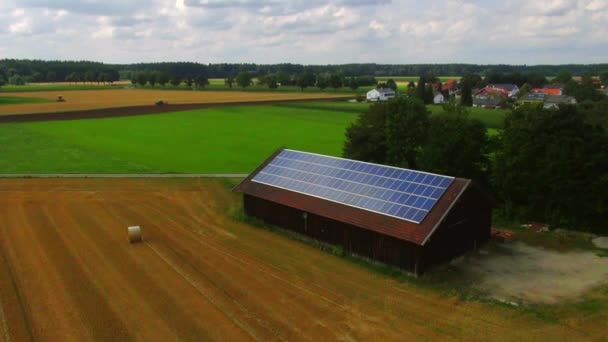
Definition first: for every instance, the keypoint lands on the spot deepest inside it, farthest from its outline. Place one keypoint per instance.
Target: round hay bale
(134, 234)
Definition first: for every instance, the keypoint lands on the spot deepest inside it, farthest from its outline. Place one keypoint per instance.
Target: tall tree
(163, 78)
(243, 79)
(335, 81)
(563, 77)
(365, 138)
(551, 167)
(407, 122)
(152, 78)
(201, 81)
(456, 144)
(421, 88)
(175, 80)
(229, 81)
(391, 84)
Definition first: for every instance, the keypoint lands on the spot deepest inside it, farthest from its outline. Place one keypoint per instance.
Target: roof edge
(446, 212)
(237, 188)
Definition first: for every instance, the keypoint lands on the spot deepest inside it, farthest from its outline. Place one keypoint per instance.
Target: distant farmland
(90, 99)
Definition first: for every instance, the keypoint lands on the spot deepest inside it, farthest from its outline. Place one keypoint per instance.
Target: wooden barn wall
(353, 239)
(466, 227)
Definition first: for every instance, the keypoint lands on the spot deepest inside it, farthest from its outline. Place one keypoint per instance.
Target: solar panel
(400, 193)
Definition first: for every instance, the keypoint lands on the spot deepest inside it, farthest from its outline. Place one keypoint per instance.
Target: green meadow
(233, 139)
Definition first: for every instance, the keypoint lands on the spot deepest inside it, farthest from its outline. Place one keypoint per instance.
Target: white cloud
(308, 31)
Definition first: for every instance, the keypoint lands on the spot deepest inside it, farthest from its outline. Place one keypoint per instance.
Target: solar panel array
(401, 193)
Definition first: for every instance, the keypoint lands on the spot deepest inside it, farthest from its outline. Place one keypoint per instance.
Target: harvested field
(67, 272)
(121, 98)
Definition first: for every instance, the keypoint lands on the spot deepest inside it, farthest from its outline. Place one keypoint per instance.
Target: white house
(438, 97)
(382, 94)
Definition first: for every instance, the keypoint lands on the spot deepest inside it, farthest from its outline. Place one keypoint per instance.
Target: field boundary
(123, 175)
(143, 110)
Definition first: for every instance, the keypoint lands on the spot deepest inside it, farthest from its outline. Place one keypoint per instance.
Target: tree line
(59, 71)
(544, 165)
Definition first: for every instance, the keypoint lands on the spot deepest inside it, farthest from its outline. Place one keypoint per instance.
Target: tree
(391, 84)
(563, 77)
(152, 78)
(90, 76)
(365, 138)
(305, 79)
(604, 77)
(283, 78)
(141, 78)
(201, 81)
(16, 79)
(551, 167)
(524, 90)
(352, 83)
(175, 80)
(229, 81)
(456, 144)
(407, 122)
(243, 79)
(421, 88)
(2, 80)
(271, 81)
(163, 78)
(51, 76)
(585, 91)
(189, 81)
(322, 81)
(335, 81)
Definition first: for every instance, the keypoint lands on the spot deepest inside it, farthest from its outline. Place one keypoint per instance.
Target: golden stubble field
(80, 100)
(68, 273)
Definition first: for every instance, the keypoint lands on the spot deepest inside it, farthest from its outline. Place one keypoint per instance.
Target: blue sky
(308, 32)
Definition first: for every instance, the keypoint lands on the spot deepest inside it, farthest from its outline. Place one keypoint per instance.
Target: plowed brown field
(116, 98)
(68, 273)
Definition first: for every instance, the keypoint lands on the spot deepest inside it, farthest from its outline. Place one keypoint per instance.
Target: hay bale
(134, 234)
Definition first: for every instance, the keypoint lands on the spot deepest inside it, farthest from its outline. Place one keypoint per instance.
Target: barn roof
(412, 229)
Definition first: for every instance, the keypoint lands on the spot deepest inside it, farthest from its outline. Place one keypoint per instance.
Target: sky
(307, 31)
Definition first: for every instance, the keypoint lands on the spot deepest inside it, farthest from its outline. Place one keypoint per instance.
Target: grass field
(87, 100)
(492, 118)
(12, 100)
(214, 140)
(68, 273)
(59, 86)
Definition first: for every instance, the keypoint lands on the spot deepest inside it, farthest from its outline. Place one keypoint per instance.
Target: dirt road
(68, 273)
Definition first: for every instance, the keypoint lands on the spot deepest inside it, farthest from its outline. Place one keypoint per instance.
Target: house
(553, 90)
(489, 98)
(450, 87)
(405, 218)
(510, 90)
(532, 98)
(553, 102)
(380, 94)
(438, 97)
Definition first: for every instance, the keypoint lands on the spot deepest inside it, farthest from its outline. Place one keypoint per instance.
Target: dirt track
(68, 273)
(121, 102)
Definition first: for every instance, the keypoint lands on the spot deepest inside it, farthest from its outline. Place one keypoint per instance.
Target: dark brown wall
(466, 226)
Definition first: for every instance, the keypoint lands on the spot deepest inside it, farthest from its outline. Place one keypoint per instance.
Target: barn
(404, 218)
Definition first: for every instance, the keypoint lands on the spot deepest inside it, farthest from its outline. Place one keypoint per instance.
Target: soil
(518, 272)
(67, 272)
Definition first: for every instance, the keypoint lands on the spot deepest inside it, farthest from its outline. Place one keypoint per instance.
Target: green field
(492, 118)
(413, 78)
(215, 140)
(5, 100)
(58, 87)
